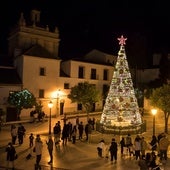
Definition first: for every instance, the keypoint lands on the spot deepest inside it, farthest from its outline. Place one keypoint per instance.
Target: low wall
(118, 130)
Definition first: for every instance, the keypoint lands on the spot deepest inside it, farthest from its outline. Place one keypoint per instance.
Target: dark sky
(89, 24)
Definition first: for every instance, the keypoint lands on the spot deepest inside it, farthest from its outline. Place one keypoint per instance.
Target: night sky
(95, 24)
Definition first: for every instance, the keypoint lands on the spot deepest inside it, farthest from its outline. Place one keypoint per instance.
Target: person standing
(73, 134)
(57, 133)
(137, 147)
(81, 129)
(10, 154)
(128, 142)
(13, 134)
(113, 150)
(38, 151)
(122, 145)
(50, 149)
(93, 123)
(70, 128)
(65, 134)
(31, 140)
(88, 130)
(153, 143)
(21, 133)
(143, 146)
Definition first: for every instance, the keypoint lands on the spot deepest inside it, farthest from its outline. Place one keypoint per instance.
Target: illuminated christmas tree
(121, 108)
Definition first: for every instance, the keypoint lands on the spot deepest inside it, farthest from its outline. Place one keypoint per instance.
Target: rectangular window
(66, 85)
(81, 72)
(41, 93)
(79, 106)
(105, 74)
(42, 71)
(105, 89)
(93, 73)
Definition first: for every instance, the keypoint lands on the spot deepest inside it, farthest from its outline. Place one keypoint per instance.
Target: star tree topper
(122, 40)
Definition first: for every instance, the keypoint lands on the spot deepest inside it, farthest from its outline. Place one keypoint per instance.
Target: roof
(39, 51)
(8, 75)
(99, 57)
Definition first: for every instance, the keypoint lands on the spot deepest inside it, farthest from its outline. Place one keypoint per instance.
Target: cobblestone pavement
(79, 156)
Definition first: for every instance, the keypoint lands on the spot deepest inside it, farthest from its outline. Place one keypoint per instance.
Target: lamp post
(50, 105)
(57, 97)
(154, 111)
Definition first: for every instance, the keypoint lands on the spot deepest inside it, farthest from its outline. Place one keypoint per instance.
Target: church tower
(24, 36)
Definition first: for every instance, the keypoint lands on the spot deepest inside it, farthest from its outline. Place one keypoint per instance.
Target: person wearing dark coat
(50, 149)
(11, 152)
(153, 143)
(81, 129)
(65, 134)
(57, 133)
(113, 150)
(21, 133)
(122, 144)
(88, 130)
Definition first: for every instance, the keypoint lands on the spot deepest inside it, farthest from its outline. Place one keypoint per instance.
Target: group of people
(71, 132)
(40, 115)
(137, 147)
(144, 152)
(112, 149)
(17, 133)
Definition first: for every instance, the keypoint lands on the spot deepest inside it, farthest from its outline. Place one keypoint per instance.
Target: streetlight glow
(50, 104)
(154, 112)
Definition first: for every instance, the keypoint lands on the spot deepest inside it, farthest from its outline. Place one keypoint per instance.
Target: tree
(22, 100)
(161, 98)
(85, 94)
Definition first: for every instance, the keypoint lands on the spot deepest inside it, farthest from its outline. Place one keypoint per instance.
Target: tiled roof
(39, 51)
(9, 76)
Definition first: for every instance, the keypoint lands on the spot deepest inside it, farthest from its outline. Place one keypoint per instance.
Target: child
(101, 148)
(31, 138)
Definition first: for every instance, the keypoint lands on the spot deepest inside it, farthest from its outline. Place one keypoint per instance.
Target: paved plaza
(79, 156)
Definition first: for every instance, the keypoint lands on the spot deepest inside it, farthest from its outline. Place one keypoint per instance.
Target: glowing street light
(58, 98)
(154, 112)
(58, 95)
(50, 105)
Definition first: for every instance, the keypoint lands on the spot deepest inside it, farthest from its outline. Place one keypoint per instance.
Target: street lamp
(50, 105)
(57, 97)
(154, 111)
